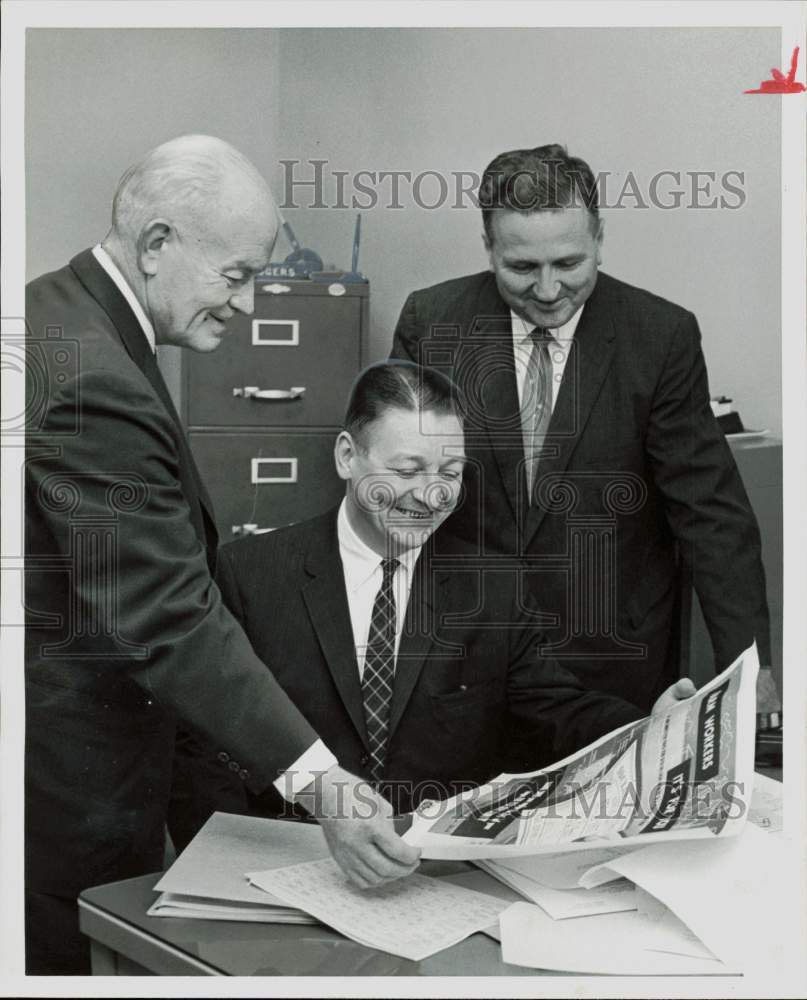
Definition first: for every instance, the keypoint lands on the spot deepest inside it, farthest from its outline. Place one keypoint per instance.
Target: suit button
(365, 760)
(223, 756)
(234, 765)
(243, 774)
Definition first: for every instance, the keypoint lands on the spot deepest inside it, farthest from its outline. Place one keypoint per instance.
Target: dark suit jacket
(635, 471)
(126, 631)
(471, 696)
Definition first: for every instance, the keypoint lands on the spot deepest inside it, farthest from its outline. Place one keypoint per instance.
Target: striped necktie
(379, 669)
(536, 402)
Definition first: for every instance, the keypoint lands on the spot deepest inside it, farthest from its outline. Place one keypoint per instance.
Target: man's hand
(768, 700)
(679, 691)
(357, 823)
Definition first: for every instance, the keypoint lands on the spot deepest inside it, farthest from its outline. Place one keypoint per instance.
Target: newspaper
(686, 773)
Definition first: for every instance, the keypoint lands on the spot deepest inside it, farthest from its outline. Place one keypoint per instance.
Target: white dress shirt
(317, 758)
(111, 268)
(558, 350)
(363, 576)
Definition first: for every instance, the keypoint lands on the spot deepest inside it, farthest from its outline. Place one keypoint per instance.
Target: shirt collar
(111, 268)
(561, 336)
(359, 561)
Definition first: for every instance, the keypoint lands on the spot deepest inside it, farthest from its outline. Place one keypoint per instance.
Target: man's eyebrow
(406, 457)
(253, 265)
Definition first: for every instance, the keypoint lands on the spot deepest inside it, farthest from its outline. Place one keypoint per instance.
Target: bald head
(192, 223)
(186, 180)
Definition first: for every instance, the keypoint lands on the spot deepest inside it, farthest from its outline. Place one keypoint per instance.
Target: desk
(126, 942)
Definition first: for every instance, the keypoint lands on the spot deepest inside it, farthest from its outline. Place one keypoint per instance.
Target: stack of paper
(634, 943)
(697, 912)
(556, 881)
(716, 888)
(208, 880)
(552, 881)
(414, 917)
(177, 904)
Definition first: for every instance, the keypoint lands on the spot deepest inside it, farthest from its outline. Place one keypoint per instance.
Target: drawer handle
(253, 392)
(250, 529)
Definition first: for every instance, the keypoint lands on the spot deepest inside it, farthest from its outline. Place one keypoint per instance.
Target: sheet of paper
(662, 923)
(413, 917)
(215, 862)
(559, 871)
(720, 889)
(564, 904)
(480, 881)
(613, 944)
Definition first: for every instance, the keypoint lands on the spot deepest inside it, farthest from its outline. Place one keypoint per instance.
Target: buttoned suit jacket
(471, 696)
(126, 631)
(636, 478)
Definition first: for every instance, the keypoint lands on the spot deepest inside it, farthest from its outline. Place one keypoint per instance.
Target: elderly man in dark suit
(593, 451)
(421, 670)
(126, 631)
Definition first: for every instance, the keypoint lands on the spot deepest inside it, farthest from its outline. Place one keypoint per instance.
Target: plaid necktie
(536, 402)
(379, 669)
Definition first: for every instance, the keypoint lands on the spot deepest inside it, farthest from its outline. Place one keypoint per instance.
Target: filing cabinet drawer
(267, 479)
(291, 342)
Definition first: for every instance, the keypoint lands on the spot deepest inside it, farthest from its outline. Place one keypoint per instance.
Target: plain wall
(447, 100)
(97, 99)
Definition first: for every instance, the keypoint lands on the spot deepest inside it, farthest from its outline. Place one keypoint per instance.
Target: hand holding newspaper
(686, 773)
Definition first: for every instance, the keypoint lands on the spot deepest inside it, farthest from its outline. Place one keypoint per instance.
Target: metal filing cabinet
(263, 410)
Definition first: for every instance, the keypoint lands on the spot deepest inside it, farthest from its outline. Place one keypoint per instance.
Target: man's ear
(343, 452)
(150, 244)
(599, 238)
(488, 248)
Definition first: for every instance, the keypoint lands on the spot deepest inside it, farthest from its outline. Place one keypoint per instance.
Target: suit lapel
(588, 363)
(418, 634)
(326, 601)
(494, 392)
(108, 295)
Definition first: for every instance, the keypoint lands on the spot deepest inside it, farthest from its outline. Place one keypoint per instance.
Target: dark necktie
(379, 669)
(536, 402)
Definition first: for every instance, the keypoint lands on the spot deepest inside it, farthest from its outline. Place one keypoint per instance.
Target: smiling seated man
(418, 665)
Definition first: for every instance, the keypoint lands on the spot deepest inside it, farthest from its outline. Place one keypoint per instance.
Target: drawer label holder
(255, 392)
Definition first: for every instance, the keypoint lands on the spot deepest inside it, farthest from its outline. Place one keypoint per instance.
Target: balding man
(127, 635)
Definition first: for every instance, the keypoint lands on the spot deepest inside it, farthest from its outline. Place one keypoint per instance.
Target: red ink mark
(781, 84)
